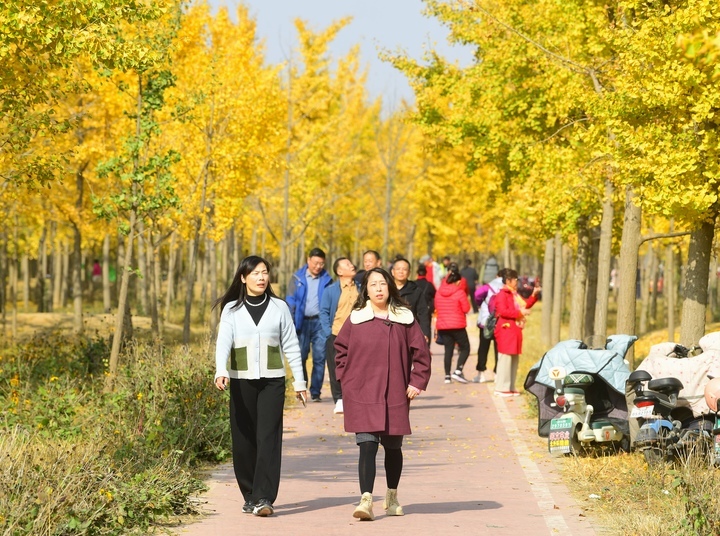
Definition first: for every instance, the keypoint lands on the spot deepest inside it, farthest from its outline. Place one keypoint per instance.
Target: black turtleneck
(256, 306)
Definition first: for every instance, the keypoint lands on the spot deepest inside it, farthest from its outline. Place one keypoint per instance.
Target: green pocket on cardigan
(274, 358)
(238, 359)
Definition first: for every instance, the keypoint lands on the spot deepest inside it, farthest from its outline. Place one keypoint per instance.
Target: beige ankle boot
(391, 503)
(364, 511)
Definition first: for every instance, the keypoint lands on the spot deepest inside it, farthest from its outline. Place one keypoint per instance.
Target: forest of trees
(154, 137)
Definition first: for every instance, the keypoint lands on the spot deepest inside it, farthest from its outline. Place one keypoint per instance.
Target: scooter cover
(606, 365)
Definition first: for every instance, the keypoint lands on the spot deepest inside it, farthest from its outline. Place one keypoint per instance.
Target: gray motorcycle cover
(606, 365)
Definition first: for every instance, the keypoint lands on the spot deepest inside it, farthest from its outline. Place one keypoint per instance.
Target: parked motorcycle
(712, 394)
(576, 429)
(581, 395)
(672, 421)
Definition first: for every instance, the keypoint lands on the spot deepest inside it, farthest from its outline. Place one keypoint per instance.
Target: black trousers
(256, 425)
(335, 388)
(483, 350)
(450, 338)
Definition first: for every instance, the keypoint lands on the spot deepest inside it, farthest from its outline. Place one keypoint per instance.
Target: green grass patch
(76, 461)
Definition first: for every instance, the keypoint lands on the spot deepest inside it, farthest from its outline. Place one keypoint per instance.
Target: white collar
(402, 315)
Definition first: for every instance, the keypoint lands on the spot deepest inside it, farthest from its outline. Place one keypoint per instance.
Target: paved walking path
(474, 465)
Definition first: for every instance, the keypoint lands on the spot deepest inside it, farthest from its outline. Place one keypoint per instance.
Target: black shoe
(316, 398)
(263, 508)
(248, 507)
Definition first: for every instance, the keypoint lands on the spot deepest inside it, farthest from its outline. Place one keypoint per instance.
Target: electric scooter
(577, 429)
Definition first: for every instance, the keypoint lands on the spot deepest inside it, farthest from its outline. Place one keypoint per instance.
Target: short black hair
(402, 259)
(316, 252)
(337, 263)
(422, 270)
(374, 253)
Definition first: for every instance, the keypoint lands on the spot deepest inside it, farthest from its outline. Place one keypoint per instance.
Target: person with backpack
(483, 296)
(510, 310)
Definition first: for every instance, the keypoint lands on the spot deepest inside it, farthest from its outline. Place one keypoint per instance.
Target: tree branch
(644, 239)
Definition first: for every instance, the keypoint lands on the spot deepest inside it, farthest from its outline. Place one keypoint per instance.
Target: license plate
(559, 439)
(643, 412)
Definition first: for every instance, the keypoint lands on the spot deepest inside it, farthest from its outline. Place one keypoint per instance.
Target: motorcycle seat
(652, 396)
(665, 385)
(639, 376)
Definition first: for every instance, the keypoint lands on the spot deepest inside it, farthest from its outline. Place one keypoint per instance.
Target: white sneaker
(338, 407)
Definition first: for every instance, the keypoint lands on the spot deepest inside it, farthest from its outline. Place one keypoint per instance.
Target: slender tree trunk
(592, 284)
(172, 261)
(204, 279)
(152, 284)
(42, 272)
(628, 265)
(213, 277)
(695, 284)
(579, 282)
(121, 313)
(669, 290)
(107, 297)
(25, 266)
(142, 281)
(645, 278)
(557, 291)
(655, 278)
(13, 269)
(506, 252)
(3, 282)
(604, 263)
(547, 292)
(192, 255)
(65, 275)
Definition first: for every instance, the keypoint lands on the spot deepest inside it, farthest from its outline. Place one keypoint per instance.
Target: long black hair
(453, 275)
(238, 289)
(394, 298)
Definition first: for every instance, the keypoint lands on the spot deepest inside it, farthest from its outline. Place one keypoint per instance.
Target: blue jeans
(311, 334)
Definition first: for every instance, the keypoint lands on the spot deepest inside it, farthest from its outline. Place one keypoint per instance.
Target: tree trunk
(604, 263)
(213, 277)
(142, 280)
(204, 279)
(192, 255)
(65, 275)
(121, 313)
(592, 287)
(645, 281)
(3, 283)
(153, 265)
(42, 291)
(506, 252)
(557, 292)
(107, 296)
(547, 292)
(579, 282)
(695, 284)
(669, 291)
(172, 261)
(628, 265)
(655, 278)
(25, 266)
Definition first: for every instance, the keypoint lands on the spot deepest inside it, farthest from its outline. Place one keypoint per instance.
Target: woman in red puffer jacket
(451, 304)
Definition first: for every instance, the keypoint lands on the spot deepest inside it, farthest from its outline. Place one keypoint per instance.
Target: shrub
(75, 461)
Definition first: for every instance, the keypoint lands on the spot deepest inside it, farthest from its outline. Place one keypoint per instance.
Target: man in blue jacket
(335, 307)
(304, 294)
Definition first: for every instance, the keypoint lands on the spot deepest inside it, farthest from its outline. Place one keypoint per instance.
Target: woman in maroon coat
(382, 362)
(511, 310)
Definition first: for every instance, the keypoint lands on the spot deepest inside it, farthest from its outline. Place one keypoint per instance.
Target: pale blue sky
(377, 24)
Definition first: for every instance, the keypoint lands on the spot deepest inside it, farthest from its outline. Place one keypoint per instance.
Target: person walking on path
(383, 362)
(428, 289)
(256, 330)
(337, 302)
(482, 296)
(471, 276)
(371, 259)
(452, 305)
(511, 310)
(304, 295)
(412, 294)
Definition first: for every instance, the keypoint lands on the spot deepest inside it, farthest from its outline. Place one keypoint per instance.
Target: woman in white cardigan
(256, 330)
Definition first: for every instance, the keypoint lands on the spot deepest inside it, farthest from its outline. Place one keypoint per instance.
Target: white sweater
(249, 351)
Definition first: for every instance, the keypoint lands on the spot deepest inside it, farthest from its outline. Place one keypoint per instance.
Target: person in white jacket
(256, 331)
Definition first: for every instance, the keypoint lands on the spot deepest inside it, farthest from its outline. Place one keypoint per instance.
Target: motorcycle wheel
(576, 447)
(653, 456)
